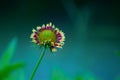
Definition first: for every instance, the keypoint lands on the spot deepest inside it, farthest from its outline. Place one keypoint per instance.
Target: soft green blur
(9, 71)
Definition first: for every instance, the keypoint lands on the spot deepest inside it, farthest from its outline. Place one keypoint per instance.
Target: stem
(37, 65)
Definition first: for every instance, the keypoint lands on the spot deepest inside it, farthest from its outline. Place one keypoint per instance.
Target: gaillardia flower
(48, 35)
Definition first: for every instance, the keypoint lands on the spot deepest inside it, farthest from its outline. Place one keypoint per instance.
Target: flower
(48, 35)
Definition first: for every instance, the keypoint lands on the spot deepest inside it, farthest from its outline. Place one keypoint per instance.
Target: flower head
(48, 35)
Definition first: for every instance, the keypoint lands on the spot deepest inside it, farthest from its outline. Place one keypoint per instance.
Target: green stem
(37, 65)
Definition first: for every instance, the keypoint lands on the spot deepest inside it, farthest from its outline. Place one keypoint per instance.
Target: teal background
(92, 31)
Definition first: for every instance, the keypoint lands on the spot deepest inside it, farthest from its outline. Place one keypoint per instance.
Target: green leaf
(8, 54)
(17, 75)
(57, 74)
(7, 71)
(118, 53)
(79, 77)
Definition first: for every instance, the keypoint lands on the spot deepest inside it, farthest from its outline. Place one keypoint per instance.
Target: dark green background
(92, 30)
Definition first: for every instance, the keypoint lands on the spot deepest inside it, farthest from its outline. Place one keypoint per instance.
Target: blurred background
(91, 27)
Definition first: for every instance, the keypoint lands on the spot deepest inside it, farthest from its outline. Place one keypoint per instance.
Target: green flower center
(46, 36)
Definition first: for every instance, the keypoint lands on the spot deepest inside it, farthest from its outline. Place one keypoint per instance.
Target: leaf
(118, 53)
(57, 74)
(5, 72)
(17, 75)
(79, 77)
(8, 54)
